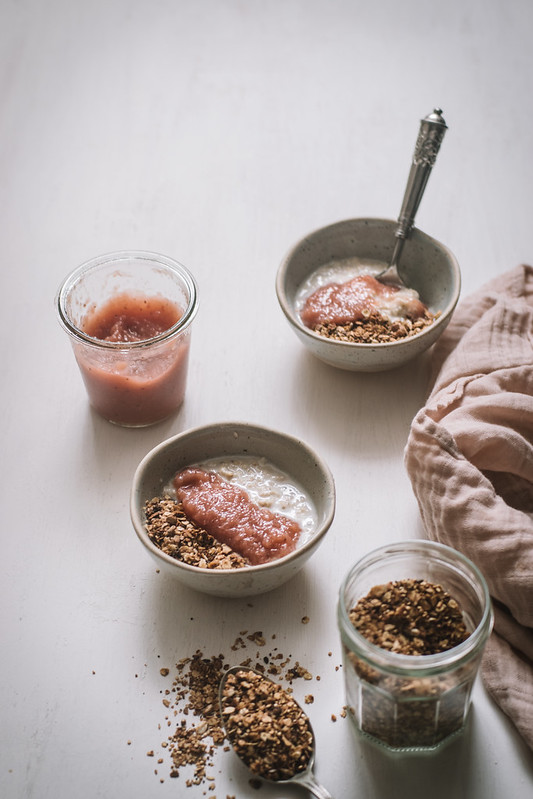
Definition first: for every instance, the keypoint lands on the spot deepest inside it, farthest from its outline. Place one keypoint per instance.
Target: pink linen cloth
(469, 457)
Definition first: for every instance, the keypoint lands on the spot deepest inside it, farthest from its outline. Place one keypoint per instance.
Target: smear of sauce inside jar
(340, 303)
(130, 317)
(227, 513)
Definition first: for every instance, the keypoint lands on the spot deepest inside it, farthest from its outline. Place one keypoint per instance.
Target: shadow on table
(444, 773)
(358, 409)
(214, 623)
(456, 770)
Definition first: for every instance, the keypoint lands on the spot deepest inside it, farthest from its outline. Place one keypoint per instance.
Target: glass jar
(413, 702)
(132, 379)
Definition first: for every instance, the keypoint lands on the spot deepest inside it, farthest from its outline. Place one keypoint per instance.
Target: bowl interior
(289, 454)
(429, 267)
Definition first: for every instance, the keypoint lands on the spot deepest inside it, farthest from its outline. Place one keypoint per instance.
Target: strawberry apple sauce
(226, 512)
(134, 385)
(344, 300)
(129, 317)
(363, 295)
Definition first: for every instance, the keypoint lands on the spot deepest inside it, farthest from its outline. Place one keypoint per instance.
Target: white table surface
(219, 132)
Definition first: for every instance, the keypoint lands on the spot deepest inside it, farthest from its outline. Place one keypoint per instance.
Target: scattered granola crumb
(305, 619)
(257, 638)
(190, 703)
(297, 671)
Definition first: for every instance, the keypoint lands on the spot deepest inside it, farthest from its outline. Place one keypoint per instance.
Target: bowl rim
(138, 522)
(294, 320)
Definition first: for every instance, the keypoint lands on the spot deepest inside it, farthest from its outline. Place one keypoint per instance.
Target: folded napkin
(469, 457)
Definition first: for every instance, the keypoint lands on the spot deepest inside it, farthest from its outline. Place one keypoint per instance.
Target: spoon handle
(308, 780)
(430, 136)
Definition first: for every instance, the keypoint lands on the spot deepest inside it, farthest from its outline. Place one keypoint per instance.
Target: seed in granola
(267, 728)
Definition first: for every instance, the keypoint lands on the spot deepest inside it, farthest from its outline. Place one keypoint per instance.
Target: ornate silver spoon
(430, 135)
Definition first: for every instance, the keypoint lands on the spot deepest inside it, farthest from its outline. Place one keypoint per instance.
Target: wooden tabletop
(219, 132)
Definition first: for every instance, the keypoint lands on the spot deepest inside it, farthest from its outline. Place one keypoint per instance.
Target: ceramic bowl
(428, 267)
(289, 454)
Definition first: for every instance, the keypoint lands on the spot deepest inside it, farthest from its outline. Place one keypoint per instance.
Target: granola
(408, 617)
(376, 329)
(176, 535)
(266, 726)
(192, 710)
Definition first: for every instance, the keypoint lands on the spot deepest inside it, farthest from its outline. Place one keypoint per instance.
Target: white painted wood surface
(219, 132)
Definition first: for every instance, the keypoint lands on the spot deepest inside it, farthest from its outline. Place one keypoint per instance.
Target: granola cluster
(375, 329)
(175, 534)
(410, 617)
(267, 728)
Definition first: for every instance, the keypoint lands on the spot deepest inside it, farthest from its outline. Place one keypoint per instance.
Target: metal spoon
(430, 136)
(304, 778)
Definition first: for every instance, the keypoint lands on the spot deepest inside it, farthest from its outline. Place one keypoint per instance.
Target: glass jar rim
(421, 665)
(73, 277)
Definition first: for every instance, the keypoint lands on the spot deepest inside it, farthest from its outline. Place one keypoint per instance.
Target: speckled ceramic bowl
(303, 466)
(429, 268)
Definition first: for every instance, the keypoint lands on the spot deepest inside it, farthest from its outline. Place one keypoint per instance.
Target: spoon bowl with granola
(328, 289)
(268, 729)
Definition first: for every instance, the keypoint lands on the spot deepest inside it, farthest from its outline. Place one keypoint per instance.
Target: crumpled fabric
(469, 457)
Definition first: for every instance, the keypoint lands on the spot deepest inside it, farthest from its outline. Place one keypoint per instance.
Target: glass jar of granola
(413, 618)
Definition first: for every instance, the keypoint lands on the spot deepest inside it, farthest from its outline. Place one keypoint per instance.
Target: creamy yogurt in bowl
(293, 479)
